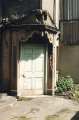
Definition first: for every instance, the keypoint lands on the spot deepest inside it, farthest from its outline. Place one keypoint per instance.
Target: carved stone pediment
(39, 17)
(36, 20)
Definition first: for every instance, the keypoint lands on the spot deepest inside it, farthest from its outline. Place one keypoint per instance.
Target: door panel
(27, 84)
(35, 84)
(32, 69)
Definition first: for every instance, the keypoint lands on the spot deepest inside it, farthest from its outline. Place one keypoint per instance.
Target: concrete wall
(69, 61)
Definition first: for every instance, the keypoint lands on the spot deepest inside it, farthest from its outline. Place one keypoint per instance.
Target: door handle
(23, 76)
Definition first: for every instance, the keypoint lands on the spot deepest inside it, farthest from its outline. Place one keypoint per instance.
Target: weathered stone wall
(16, 8)
(69, 61)
(22, 7)
(4, 61)
(8, 61)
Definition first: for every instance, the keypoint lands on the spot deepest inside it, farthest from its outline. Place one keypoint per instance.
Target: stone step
(3, 95)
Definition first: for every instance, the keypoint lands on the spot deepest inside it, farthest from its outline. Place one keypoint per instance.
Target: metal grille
(69, 21)
(70, 9)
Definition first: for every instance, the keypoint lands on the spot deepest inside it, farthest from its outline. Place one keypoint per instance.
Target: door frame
(19, 89)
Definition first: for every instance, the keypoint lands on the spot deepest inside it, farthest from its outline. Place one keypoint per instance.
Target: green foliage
(64, 84)
(75, 92)
(21, 118)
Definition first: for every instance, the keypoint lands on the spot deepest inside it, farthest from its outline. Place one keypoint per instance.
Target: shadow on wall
(76, 116)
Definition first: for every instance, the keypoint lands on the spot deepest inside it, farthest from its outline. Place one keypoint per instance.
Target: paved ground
(42, 108)
(6, 101)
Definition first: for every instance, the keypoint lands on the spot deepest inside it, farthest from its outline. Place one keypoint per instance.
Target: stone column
(54, 62)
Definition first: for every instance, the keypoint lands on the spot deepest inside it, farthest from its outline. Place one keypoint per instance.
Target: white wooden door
(32, 70)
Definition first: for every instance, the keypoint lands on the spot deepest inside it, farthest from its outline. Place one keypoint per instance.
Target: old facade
(29, 49)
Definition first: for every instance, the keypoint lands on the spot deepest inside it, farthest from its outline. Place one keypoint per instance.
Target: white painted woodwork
(48, 5)
(31, 75)
(57, 13)
(46, 69)
(54, 66)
